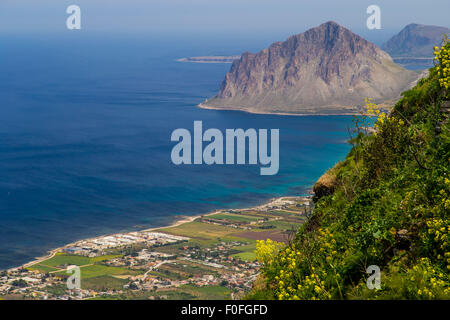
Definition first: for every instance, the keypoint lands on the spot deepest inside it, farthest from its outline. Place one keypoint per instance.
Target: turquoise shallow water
(85, 140)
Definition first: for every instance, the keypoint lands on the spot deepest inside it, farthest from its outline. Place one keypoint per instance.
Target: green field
(62, 260)
(188, 268)
(233, 217)
(90, 267)
(97, 270)
(199, 230)
(187, 292)
(281, 224)
(43, 268)
(248, 251)
(246, 256)
(208, 293)
(103, 283)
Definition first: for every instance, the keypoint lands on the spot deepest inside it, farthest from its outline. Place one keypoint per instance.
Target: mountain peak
(327, 69)
(415, 40)
(413, 25)
(330, 23)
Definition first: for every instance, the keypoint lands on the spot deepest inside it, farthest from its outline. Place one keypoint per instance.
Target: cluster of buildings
(96, 246)
(32, 284)
(18, 281)
(225, 269)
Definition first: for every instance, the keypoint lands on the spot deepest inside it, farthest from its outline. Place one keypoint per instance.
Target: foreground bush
(389, 206)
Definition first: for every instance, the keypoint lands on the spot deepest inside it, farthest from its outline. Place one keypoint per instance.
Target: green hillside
(387, 204)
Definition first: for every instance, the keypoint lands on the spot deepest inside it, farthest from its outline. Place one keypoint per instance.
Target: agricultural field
(187, 292)
(62, 260)
(199, 230)
(96, 270)
(208, 293)
(187, 269)
(233, 217)
(247, 252)
(275, 224)
(103, 283)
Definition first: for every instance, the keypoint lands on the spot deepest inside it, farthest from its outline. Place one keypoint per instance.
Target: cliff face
(325, 70)
(415, 40)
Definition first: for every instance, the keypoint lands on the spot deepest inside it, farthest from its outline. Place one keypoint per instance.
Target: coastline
(204, 106)
(177, 222)
(209, 59)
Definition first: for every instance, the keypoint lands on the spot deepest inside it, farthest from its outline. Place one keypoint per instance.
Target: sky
(221, 17)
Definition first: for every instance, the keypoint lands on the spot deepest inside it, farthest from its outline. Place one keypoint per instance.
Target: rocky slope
(325, 70)
(415, 40)
(387, 205)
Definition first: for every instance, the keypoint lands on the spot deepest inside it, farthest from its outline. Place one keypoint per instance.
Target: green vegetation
(186, 292)
(247, 252)
(97, 270)
(56, 290)
(214, 248)
(62, 260)
(197, 230)
(187, 269)
(246, 255)
(387, 204)
(43, 268)
(103, 283)
(233, 217)
(208, 292)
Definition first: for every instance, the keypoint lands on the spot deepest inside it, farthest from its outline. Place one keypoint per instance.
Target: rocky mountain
(415, 40)
(325, 70)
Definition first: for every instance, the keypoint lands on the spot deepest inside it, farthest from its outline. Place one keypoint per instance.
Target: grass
(246, 256)
(166, 273)
(186, 268)
(280, 224)
(43, 268)
(102, 283)
(233, 217)
(62, 260)
(97, 270)
(105, 258)
(56, 290)
(387, 204)
(208, 292)
(199, 230)
(174, 295)
(247, 252)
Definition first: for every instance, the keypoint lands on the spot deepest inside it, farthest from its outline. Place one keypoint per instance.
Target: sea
(85, 127)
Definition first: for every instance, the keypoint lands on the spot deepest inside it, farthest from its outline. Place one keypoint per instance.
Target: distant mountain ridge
(415, 40)
(325, 70)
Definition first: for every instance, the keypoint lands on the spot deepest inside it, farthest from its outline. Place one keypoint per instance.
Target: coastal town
(205, 257)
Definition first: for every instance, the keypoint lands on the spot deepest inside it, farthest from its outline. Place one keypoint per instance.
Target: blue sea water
(85, 144)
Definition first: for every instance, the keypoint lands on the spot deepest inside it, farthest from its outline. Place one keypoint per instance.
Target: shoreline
(207, 107)
(209, 59)
(177, 222)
